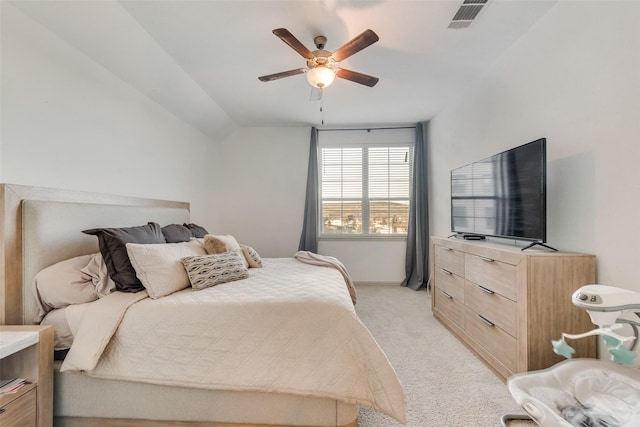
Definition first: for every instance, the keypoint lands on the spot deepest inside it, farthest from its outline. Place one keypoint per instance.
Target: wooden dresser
(506, 304)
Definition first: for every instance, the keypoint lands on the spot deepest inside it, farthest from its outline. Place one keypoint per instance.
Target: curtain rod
(367, 129)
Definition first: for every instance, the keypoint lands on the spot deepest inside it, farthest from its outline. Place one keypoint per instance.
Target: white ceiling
(201, 59)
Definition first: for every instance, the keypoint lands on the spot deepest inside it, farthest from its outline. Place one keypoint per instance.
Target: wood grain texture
(550, 309)
(450, 259)
(493, 339)
(538, 283)
(450, 306)
(493, 274)
(102, 422)
(34, 363)
(451, 283)
(494, 307)
(22, 411)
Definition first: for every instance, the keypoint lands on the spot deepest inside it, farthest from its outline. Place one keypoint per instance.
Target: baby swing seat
(578, 392)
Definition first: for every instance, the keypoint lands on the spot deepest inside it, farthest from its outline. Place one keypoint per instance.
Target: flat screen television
(503, 195)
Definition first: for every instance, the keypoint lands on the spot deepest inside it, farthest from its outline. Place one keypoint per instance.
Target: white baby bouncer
(587, 392)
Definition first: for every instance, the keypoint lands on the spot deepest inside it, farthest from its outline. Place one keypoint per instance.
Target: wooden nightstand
(27, 352)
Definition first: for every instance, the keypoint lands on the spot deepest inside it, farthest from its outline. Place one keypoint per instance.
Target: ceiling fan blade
(281, 75)
(354, 76)
(295, 44)
(365, 39)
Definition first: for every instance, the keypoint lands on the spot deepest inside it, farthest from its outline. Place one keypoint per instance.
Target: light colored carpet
(445, 384)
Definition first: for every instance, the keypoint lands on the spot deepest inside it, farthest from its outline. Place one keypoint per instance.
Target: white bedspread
(290, 328)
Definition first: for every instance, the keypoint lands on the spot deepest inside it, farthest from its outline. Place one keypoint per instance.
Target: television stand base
(468, 236)
(473, 237)
(539, 244)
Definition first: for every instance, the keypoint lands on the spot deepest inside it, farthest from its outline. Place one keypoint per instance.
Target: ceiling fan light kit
(322, 66)
(321, 76)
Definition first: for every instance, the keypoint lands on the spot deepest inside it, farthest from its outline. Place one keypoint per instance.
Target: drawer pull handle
(486, 259)
(446, 248)
(487, 321)
(446, 294)
(483, 289)
(445, 271)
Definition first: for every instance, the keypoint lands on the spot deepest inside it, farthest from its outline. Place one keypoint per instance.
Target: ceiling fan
(322, 65)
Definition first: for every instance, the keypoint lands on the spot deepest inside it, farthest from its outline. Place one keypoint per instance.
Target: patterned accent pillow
(251, 256)
(205, 271)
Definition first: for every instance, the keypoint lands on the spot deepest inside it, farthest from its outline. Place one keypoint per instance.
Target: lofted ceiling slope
(201, 59)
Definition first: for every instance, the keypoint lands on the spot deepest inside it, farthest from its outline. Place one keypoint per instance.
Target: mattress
(78, 395)
(289, 328)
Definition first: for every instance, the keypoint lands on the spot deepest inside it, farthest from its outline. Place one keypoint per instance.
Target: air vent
(468, 11)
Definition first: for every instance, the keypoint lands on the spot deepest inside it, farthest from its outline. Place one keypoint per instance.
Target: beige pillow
(213, 245)
(217, 244)
(159, 266)
(62, 335)
(63, 284)
(97, 270)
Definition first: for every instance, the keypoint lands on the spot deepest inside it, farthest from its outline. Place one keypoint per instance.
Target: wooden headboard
(69, 212)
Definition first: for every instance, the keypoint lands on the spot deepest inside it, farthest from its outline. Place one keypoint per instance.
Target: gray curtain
(417, 261)
(309, 237)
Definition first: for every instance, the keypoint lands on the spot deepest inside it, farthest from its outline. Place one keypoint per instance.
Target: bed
(281, 347)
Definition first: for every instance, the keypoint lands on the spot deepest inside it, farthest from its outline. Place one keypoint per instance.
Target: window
(365, 181)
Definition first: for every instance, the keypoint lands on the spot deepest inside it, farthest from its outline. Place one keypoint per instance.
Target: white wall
(573, 79)
(369, 261)
(68, 123)
(263, 180)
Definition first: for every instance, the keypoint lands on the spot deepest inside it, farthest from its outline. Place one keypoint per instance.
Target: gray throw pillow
(112, 243)
(176, 233)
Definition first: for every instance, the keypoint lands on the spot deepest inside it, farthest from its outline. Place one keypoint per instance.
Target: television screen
(503, 195)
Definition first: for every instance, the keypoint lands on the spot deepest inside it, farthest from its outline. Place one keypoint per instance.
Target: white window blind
(365, 181)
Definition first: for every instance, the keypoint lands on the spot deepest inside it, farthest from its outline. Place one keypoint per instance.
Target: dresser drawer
(494, 307)
(494, 275)
(450, 283)
(449, 306)
(449, 259)
(500, 344)
(21, 412)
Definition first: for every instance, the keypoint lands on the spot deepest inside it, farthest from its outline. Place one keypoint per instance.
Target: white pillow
(159, 268)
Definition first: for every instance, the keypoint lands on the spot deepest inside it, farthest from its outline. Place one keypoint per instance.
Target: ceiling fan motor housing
(320, 41)
(321, 58)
